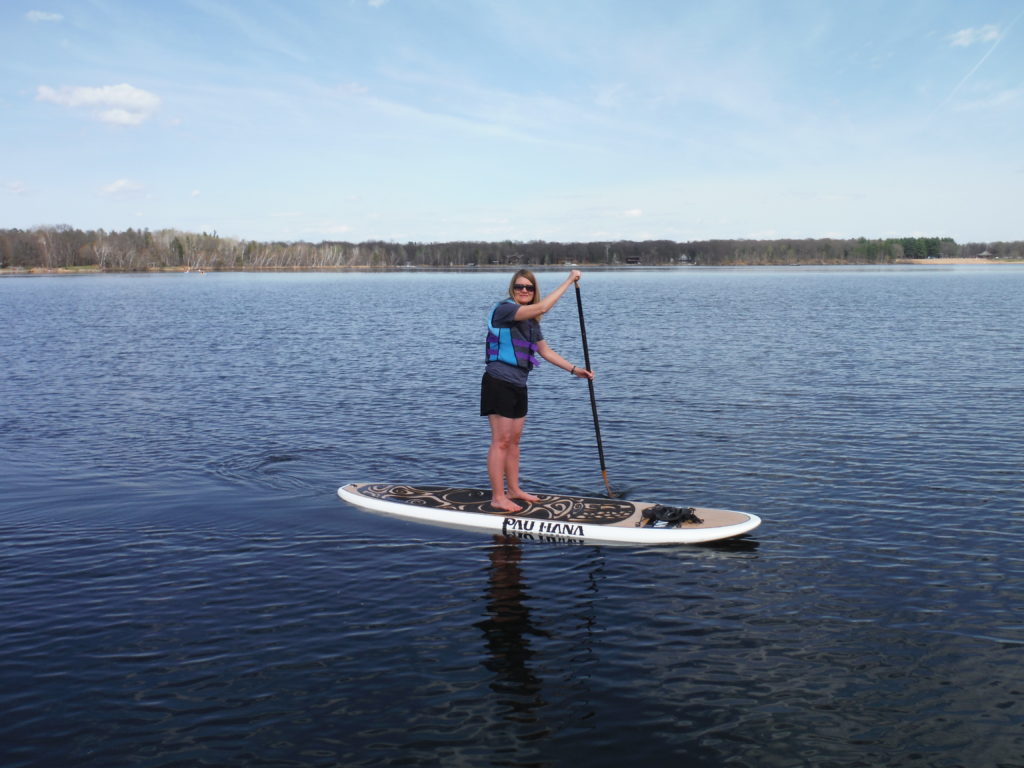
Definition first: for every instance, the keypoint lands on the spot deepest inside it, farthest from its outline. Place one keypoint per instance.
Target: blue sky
(435, 120)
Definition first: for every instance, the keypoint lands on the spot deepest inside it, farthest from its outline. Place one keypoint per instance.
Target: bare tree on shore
(65, 248)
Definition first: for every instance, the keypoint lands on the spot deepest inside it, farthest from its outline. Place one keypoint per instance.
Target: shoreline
(957, 261)
(96, 270)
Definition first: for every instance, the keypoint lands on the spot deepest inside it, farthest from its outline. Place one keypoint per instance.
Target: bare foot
(505, 504)
(522, 495)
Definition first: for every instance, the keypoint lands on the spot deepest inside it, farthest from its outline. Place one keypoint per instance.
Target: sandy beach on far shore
(956, 261)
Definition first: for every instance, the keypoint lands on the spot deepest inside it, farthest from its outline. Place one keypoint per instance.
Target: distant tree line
(62, 247)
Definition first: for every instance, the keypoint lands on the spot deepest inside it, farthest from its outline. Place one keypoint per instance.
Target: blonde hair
(529, 276)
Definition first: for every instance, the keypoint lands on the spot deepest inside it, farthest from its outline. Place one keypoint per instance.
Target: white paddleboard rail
(567, 519)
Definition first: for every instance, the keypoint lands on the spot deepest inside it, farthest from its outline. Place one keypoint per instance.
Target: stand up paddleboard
(553, 518)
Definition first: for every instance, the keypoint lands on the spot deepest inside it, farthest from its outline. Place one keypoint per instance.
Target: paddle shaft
(590, 383)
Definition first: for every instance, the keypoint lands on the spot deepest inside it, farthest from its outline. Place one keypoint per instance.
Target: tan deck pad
(572, 509)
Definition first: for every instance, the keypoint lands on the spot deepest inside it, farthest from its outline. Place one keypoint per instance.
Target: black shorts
(502, 397)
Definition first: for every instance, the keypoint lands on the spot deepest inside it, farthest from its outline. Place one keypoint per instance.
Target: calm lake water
(180, 585)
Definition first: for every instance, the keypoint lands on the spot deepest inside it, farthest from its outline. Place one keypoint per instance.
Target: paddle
(590, 383)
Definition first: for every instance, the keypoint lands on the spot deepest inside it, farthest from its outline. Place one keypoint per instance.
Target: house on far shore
(984, 255)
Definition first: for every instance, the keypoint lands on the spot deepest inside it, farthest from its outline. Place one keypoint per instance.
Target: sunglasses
(524, 287)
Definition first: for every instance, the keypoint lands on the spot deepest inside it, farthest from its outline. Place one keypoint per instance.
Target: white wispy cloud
(992, 100)
(122, 104)
(38, 16)
(633, 213)
(468, 106)
(16, 187)
(972, 35)
(272, 32)
(996, 39)
(122, 188)
(609, 95)
(351, 89)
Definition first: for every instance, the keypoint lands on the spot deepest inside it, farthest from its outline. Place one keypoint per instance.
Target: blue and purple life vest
(509, 345)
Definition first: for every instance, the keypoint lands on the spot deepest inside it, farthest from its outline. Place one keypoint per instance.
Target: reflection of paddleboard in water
(559, 518)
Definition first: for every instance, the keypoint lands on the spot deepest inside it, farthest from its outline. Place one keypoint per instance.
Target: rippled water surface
(180, 585)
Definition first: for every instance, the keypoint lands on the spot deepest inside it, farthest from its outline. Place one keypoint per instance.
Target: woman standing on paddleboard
(514, 339)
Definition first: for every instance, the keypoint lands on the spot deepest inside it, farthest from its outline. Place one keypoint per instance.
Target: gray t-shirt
(504, 317)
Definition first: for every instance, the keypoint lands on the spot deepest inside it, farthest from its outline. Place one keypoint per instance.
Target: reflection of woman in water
(509, 627)
(513, 336)
(506, 628)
